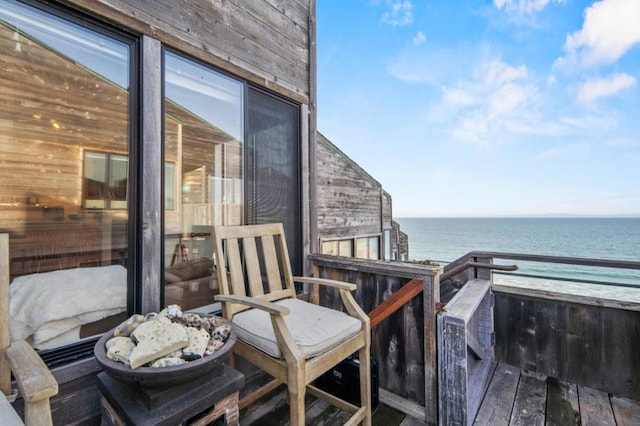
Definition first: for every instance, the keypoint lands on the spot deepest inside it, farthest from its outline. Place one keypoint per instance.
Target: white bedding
(51, 307)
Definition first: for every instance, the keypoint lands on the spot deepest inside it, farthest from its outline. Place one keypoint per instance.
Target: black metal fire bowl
(164, 376)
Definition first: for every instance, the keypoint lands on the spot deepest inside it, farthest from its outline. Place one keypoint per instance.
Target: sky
(486, 108)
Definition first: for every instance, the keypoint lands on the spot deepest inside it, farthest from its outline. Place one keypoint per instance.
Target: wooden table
(194, 403)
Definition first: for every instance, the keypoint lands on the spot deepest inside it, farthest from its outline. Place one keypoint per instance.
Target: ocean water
(446, 239)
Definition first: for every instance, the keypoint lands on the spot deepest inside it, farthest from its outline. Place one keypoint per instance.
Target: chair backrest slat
(252, 264)
(271, 263)
(235, 267)
(264, 257)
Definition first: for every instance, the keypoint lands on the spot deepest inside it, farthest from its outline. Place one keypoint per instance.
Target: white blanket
(51, 307)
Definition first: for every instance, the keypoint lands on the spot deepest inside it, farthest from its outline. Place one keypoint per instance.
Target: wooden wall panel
(584, 344)
(265, 41)
(348, 203)
(387, 211)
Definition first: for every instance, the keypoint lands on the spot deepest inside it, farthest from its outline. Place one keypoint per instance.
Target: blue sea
(446, 239)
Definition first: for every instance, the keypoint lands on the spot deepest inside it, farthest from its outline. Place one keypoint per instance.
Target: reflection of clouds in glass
(102, 55)
(207, 94)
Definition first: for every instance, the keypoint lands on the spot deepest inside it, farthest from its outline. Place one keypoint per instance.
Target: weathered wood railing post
(431, 301)
(466, 352)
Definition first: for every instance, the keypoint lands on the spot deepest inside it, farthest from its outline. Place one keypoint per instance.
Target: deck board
(562, 403)
(496, 406)
(595, 407)
(516, 397)
(530, 401)
(626, 411)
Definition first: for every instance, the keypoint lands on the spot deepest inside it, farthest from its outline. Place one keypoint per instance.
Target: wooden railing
(404, 345)
(567, 327)
(403, 301)
(414, 287)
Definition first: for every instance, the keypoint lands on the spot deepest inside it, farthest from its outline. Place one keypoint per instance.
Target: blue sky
(480, 108)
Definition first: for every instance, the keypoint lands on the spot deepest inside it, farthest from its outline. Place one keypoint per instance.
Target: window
(204, 126)
(64, 180)
(105, 181)
(365, 247)
(368, 248)
(387, 245)
(272, 159)
(338, 247)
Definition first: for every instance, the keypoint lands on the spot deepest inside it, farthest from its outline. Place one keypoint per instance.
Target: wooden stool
(194, 403)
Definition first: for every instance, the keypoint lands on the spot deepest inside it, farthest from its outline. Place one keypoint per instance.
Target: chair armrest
(326, 282)
(270, 307)
(348, 301)
(34, 379)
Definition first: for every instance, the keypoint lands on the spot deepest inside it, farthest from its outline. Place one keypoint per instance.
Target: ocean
(446, 239)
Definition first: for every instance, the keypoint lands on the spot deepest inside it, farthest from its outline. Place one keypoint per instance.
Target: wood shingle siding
(266, 42)
(349, 201)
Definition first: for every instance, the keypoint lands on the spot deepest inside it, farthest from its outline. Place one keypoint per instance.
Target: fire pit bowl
(164, 376)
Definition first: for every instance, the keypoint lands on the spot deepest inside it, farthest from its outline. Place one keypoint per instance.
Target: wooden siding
(264, 41)
(588, 345)
(348, 200)
(387, 211)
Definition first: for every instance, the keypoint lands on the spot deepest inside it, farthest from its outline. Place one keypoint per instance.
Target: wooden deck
(273, 410)
(516, 397)
(513, 397)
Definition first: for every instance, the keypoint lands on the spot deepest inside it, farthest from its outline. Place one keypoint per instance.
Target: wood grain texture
(465, 327)
(349, 201)
(562, 403)
(548, 337)
(266, 42)
(626, 411)
(498, 403)
(595, 407)
(530, 401)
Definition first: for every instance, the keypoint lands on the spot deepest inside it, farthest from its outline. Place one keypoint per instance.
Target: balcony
(451, 352)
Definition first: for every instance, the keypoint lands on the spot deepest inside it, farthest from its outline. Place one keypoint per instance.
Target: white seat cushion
(314, 328)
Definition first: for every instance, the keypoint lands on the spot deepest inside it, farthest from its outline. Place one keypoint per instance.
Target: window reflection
(63, 182)
(203, 143)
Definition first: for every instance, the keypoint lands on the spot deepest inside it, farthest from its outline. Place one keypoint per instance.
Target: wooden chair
(35, 382)
(292, 340)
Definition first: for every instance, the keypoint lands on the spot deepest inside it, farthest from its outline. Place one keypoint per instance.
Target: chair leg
(365, 382)
(296, 404)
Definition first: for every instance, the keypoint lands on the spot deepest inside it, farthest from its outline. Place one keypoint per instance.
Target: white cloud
(600, 87)
(400, 13)
(523, 7)
(610, 29)
(415, 66)
(490, 104)
(509, 97)
(419, 38)
(497, 73)
(457, 96)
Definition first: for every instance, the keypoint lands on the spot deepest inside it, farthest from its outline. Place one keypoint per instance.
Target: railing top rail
(606, 263)
(394, 269)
